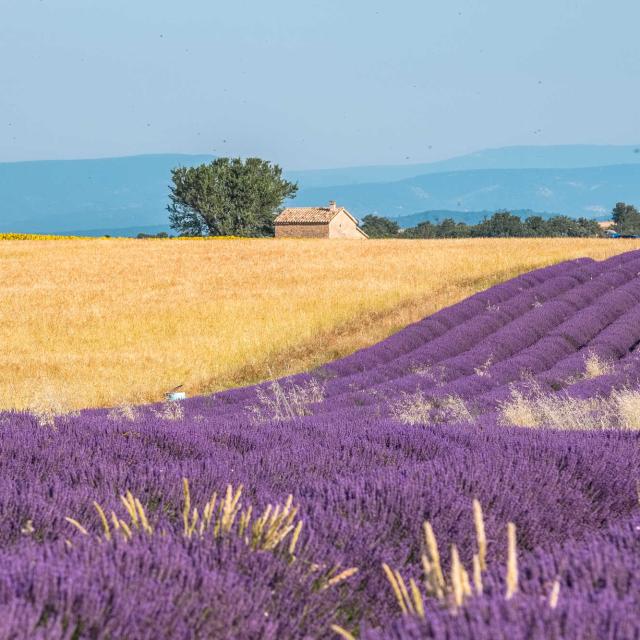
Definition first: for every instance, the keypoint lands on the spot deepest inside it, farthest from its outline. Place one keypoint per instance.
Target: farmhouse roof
(311, 215)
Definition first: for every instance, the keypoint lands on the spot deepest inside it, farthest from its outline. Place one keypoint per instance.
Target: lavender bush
(156, 522)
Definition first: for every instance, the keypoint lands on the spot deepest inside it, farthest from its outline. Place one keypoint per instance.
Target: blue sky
(311, 83)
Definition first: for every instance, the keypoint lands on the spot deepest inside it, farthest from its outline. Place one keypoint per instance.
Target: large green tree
(627, 219)
(228, 196)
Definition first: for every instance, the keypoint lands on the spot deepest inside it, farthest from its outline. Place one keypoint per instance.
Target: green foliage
(537, 226)
(627, 219)
(227, 197)
(504, 224)
(449, 228)
(422, 230)
(379, 227)
(572, 228)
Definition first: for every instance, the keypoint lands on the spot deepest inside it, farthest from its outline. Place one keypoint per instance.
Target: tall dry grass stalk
(554, 596)
(342, 633)
(108, 321)
(458, 587)
(277, 527)
(481, 537)
(511, 577)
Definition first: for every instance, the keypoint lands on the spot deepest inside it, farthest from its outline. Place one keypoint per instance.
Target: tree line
(502, 224)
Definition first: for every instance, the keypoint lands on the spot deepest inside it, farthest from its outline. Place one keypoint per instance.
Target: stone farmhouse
(607, 227)
(318, 222)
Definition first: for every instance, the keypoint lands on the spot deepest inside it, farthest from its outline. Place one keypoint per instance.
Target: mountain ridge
(587, 191)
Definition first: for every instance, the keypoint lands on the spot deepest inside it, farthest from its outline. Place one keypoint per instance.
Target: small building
(607, 228)
(318, 222)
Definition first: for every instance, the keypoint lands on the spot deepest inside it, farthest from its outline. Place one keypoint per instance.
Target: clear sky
(315, 83)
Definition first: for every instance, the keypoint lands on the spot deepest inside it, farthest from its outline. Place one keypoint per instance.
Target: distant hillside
(74, 195)
(518, 157)
(468, 217)
(574, 192)
(127, 195)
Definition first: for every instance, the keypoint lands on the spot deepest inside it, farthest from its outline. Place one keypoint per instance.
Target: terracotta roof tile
(309, 215)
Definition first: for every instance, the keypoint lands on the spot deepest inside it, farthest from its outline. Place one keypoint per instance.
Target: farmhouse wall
(342, 226)
(302, 230)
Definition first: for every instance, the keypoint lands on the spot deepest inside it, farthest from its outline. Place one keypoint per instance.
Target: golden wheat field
(110, 321)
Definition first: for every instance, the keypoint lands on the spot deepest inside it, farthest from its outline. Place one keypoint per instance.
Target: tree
(379, 227)
(424, 229)
(589, 228)
(502, 224)
(449, 228)
(561, 227)
(226, 197)
(627, 219)
(535, 226)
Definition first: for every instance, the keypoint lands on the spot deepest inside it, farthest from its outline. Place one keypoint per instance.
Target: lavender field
(296, 509)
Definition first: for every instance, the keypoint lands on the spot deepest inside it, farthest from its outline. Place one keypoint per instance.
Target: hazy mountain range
(588, 191)
(127, 195)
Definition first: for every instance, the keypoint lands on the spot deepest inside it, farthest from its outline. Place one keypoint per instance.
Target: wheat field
(104, 322)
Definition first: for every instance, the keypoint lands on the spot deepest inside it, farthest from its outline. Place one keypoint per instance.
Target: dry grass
(462, 584)
(110, 321)
(278, 402)
(627, 407)
(220, 517)
(411, 408)
(123, 412)
(535, 408)
(47, 407)
(416, 408)
(595, 366)
(169, 410)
